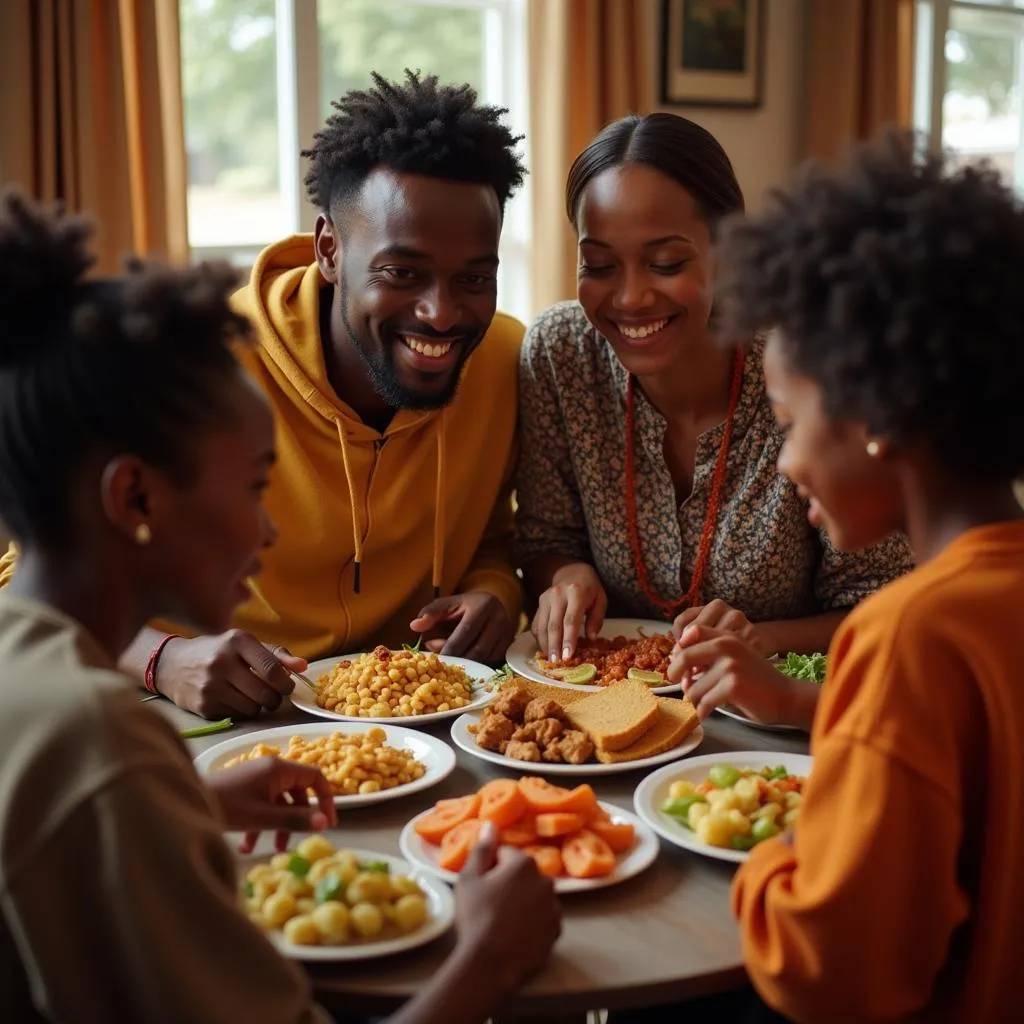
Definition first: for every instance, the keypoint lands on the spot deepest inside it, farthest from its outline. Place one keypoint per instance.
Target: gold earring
(143, 534)
(874, 449)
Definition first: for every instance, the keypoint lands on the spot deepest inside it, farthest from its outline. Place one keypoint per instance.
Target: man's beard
(380, 367)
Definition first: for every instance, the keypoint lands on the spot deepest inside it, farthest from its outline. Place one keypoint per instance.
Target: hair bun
(43, 258)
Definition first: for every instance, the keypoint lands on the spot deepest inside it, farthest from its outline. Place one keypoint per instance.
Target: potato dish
(736, 807)
(319, 896)
(393, 684)
(359, 763)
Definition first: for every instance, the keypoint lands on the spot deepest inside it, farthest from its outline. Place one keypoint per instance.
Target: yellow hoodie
(425, 504)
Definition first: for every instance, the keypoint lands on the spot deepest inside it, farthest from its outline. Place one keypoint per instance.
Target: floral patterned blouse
(765, 560)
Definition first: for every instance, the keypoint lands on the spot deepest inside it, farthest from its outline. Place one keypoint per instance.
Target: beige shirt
(765, 558)
(117, 890)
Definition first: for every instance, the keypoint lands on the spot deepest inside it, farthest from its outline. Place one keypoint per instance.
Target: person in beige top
(133, 457)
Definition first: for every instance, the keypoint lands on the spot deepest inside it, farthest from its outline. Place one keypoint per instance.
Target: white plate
(440, 906)
(729, 713)
(466, 741)
(521, 656)
(478, 674)
(645, 850)
(435, 755)
(652, 793)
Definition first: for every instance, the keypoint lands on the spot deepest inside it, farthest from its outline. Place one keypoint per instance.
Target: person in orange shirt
(895, 365)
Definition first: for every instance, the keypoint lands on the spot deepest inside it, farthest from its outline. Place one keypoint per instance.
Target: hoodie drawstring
(439, 492)
(439, 507)
(357, 534)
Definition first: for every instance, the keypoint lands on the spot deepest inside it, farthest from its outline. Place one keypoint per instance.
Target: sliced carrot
(559, 823)
(586, 855)
(502, 802)
(600, 814)
(436, 824)
(544, 797)
(522, 833)
(547, 858)
(457, 844)
(619, 836)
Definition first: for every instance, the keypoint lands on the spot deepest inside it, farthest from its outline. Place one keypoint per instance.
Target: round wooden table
(665, 936)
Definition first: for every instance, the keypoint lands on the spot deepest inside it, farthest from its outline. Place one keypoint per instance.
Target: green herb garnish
(248, 891)
(328, 888)
(382, 867)
(414, 647)
(207, 730)
(811, 667)
(743, 842)
(299, 866)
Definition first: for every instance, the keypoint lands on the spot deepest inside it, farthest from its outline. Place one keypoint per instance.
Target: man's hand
(473, 625)
(575, 599)
(718, 669)
(231, 675)
(269, 793)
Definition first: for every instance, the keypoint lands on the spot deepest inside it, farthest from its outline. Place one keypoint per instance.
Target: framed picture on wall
(712, 52)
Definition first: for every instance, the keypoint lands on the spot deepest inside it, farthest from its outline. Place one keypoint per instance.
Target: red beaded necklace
(672, 608)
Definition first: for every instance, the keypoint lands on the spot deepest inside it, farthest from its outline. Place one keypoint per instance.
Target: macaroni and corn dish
(361, 763)
(737, 807)
(322, 896)
(393, 684)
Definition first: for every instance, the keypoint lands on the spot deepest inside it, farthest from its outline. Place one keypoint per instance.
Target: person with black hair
(895, 367)
(647, 484)
(134, 455)
(393, 381)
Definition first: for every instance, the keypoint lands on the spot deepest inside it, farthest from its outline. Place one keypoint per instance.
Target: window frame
(930, 67)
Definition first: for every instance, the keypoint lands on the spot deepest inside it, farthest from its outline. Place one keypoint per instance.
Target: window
(969, 78)
(259, 77)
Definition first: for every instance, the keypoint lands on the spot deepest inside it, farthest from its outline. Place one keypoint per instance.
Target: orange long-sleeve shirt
(902, 895)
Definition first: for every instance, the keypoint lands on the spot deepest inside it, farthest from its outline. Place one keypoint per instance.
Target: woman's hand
(718, 615)
(574, 598)
(269, 793)
(719, 669)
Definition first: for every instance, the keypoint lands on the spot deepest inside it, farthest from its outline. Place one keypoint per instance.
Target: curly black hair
(896, 286)
(418, 127)
(100, 367)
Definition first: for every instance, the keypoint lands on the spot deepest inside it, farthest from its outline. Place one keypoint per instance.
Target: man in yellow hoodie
(393, 380)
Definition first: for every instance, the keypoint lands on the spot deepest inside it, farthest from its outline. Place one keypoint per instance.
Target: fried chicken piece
(522, 751)
(510, 702)
(575, 747)
(539, 708)
(542, 732)
(494, 732)
(552, 754)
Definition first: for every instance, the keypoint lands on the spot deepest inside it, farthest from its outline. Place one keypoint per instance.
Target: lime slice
(638, 675)
(581, 674)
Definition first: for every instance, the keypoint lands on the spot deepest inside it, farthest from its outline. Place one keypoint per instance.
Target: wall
(764, 144)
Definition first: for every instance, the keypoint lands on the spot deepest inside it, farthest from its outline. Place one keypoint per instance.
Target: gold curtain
(90, 101)
(589, 63)
(860, 71)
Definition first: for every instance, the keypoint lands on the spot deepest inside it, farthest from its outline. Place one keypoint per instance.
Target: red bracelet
(150, 676)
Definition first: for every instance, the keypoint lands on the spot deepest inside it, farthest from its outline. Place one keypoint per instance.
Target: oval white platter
(440, 907)
(435, 755)
(304, 700)
(522, 655)
(465, 740)
(424, 855)
(652, 794)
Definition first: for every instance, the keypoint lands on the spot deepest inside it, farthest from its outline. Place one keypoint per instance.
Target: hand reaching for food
(472, 625)
(507, 915)
(719, 615)
(228, 675)
(719, 669)
(269, 793)
(575, 602)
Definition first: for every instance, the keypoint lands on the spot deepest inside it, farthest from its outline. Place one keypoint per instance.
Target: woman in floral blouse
(647, 483)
